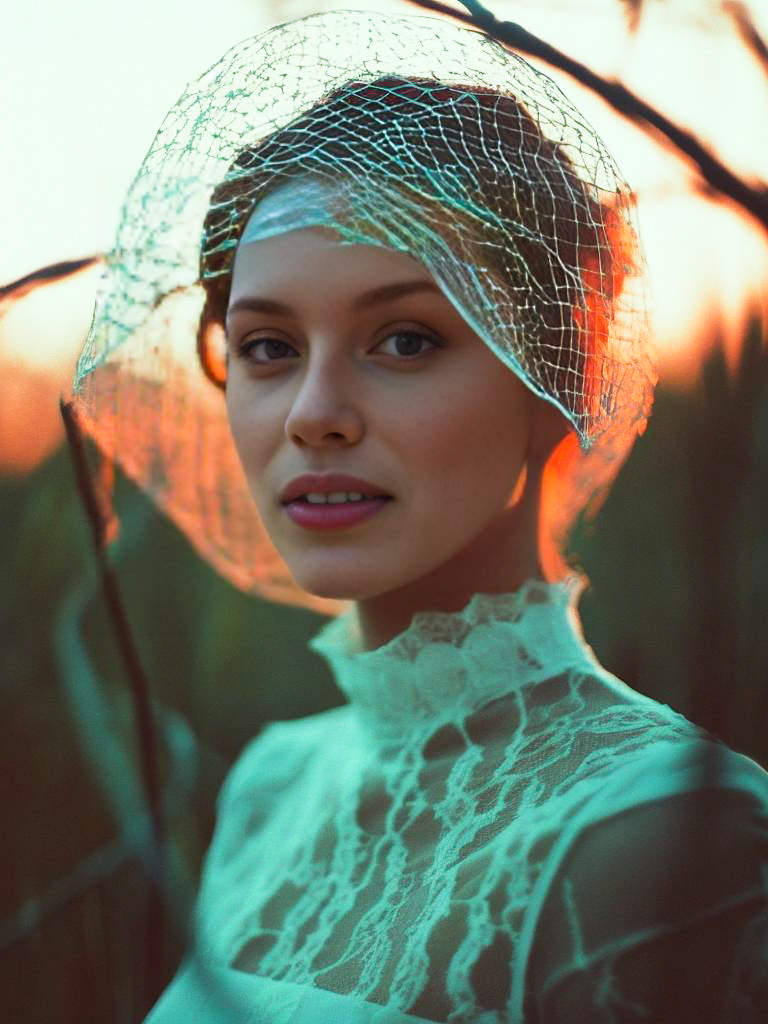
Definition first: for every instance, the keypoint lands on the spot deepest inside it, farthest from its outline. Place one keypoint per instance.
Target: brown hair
(528, 182)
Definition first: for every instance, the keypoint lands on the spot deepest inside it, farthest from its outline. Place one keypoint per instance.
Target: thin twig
(156, 918)
(751, 38)
(752, 199)
(45, 275)
(145, 726)
(441, 8)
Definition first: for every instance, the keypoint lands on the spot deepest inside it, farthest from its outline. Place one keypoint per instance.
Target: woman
(419, 290)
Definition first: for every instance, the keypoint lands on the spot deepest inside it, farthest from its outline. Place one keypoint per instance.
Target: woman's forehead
(296, 259)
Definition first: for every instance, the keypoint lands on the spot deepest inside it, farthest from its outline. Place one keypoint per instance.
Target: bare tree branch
(148, 745)
(753, 199)
(45, 275)
(441, 8)
(746, 27)
(98, 518)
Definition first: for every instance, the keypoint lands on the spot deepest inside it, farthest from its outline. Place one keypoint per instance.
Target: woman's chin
(336, 586)
(339, 583)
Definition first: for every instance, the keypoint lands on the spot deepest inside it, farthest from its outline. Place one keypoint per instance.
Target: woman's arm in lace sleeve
(659, 914)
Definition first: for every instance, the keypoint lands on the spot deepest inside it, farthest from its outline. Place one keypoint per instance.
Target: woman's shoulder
(678, 796)
(639, 774)
(642, 751)
(270, 777)
(610, 741)
(662, 886)
(275, 757)
(602, 694)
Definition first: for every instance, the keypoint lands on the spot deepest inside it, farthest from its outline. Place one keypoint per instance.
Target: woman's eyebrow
(385, 293)
(392, 291)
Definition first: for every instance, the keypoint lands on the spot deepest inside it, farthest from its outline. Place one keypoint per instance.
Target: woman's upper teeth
(333, 497)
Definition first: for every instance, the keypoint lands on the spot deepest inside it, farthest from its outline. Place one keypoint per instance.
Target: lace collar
(446, 665)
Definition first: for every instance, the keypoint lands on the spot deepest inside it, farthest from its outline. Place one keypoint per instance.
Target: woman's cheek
(447, 464)
(248, 435)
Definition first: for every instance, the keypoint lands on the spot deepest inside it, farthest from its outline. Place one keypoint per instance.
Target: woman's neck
(499, 560)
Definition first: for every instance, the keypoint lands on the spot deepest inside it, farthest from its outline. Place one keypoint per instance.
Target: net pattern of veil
(493, 829)
(435, 141)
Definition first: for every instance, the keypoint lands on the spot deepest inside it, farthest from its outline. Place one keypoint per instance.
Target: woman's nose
(323, 410)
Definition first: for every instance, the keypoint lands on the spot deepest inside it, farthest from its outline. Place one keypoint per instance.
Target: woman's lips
(333, 516)
(327, 483)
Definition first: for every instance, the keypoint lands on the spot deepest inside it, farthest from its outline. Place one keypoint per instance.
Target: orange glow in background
(85, 112)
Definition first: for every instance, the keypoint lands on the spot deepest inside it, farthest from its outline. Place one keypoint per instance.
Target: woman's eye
(269, 351)
(407, 343)
(266, 350)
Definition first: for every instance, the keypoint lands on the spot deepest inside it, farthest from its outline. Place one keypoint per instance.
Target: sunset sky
(91, 80)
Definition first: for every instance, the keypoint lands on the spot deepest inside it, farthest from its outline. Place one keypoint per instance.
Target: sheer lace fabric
(659, 911)
(494, 829)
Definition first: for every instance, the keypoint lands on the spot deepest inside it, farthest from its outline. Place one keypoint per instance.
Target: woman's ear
(212, 348)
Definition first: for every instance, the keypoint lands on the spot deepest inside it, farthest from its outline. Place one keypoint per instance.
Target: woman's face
(348, 359)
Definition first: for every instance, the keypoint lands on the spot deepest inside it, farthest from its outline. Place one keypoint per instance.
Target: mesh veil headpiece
(440, 144)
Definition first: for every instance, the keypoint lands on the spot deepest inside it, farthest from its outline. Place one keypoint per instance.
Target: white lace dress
(493, 830)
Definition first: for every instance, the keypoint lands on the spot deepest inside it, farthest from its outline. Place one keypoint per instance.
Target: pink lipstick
(334, 516)
(306, 500)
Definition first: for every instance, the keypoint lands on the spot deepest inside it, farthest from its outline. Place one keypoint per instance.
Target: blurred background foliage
(678, 606)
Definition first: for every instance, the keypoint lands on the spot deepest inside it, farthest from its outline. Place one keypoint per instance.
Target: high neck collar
(446, 665)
